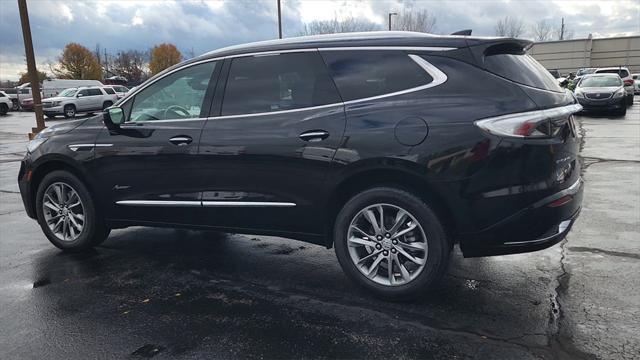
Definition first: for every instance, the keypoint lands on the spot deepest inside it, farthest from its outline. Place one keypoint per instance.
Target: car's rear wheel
(15, 105)
(67, 214)
(4, 109)
(69, 111)
(391, 243)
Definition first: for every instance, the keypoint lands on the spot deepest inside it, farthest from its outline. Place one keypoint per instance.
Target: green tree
(78, 62)
(163, 56)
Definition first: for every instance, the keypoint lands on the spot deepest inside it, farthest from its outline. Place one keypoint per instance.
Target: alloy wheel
(63, 211)
(387, 244)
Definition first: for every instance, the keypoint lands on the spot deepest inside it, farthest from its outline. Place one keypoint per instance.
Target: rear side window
(621, 72)
(94, 92)
(361, 74)
(522, 69)
(261, 84)
(109, 91)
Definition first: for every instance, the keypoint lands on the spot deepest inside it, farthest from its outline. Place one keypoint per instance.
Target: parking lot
(166, 293)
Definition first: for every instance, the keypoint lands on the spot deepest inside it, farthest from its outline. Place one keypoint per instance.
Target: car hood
(608, 89)
(55, 98)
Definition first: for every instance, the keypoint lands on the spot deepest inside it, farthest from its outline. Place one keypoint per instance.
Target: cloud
(207, 25)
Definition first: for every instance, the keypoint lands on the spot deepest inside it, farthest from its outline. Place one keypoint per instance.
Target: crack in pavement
(606, 252)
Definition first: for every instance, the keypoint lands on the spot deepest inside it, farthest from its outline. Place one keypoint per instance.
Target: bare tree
(131, 64)
(542, 30)
(509, 27)
(567, 34)
(421, 21)
(338, 26)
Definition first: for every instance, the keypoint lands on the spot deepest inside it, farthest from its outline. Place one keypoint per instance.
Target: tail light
(628, 82)
(531, 124)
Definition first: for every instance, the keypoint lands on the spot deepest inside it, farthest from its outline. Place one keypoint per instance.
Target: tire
(630, 100)
(623, 111)
(50, 116)
(15, 105)
(71, 233)
(412, 280)
(4, 109)
(106, 104)
(69, 111)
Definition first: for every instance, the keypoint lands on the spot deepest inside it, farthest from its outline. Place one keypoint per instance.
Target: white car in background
(5, 103)
(625, 75)
(636, 83)
(120, 90)
(76, 100)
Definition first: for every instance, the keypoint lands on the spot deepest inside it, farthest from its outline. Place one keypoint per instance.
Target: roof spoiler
(482, 48)
(466, 32)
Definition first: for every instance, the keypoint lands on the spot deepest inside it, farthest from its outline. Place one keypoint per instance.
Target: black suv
(391, 147)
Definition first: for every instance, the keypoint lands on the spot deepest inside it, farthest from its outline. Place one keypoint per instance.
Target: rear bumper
(537, 227)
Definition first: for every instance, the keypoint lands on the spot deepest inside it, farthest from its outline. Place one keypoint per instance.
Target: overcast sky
(206, 25)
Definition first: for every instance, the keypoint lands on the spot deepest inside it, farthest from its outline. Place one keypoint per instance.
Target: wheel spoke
(74, 223)
(400, 216)
(374, 267)
(71, 198)
(52, 201)
(409, 256)
(51, 206)
(381, 211)
(390, 270)
(59, 195)
(411, 246)
(372, 219)
(72, 232)
(362, 232)
(404, 231)
(403, 270)
(55, 227)
(369, 256)
(354, 241)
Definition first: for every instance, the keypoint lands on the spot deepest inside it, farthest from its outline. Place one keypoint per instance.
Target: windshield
(68, 93)
(583, 72)
(601, 81)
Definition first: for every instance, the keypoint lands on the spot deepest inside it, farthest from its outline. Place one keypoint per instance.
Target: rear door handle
(314, 135)
(181, 140)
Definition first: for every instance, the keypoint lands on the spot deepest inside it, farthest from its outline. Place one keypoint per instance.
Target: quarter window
(362, 73)
(261, 84)
(179, 95)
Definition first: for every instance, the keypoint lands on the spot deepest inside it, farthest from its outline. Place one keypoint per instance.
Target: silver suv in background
(77, 100)
(625, 75)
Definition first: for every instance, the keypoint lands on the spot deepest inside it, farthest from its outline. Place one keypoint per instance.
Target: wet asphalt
(167, 293)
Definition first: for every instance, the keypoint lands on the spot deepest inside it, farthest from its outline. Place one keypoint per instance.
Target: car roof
(601, 75)
(613, 68)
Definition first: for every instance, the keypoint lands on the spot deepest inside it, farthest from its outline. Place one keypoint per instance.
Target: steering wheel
(178, 110)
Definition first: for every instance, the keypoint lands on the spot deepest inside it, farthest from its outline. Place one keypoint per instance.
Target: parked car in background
(26, 103)
(555, 73)
(636, 83)
(12, 93)
(77, 100)
(5, 103)
(625, 75)
(120, 90)
(602, 92)
(357, 141)
(52, 87)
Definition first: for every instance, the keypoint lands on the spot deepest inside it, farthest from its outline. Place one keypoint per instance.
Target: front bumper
(609, 104)
(26, 192)
(536, 227)
(56, 110)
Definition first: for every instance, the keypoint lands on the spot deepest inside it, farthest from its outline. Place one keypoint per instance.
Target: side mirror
(113, 117)
(79, 95)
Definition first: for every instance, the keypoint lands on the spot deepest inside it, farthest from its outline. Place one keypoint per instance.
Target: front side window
(260, 84)
(179, 95)
(68, 93)
(83, 92)
(361, 74)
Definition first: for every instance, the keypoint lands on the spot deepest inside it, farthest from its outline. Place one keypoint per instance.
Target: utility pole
(562, 30)
(31, 68)
(390, 14)
(279, 21)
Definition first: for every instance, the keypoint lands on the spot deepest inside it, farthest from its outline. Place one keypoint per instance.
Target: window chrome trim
(75, 147)
(132, 123)
(247, 204)
(188, 203)
(277, 112)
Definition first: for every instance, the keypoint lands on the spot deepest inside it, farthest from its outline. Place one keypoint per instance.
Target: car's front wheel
(69, 111)
(67, 213)
(391, 242)
(4, 109)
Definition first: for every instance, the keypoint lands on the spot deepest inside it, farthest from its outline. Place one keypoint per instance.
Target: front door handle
(181, 140)
(314, 135)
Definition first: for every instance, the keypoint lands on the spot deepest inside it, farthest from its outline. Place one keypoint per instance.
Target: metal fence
(570, 55)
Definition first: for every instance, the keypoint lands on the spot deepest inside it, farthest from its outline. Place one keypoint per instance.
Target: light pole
(279, 21)
(390, 19)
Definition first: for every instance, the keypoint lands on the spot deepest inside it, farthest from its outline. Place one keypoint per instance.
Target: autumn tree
(78, 62)
(163, 56)
(24, 77)
(509, 27)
